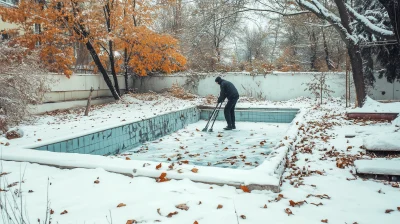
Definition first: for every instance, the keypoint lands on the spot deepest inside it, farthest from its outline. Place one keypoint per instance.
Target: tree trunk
(126, 69)
(313, 45)
(358, 74)
(102, 70)
(89, 101)
(354, 52)
(327, 58)
(393, 9)
(112, 62)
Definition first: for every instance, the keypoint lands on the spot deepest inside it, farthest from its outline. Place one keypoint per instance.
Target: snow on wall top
(372, 106)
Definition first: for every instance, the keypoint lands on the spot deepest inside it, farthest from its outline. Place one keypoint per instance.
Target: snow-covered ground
(67, 123)
(244, 148)
(319, 184)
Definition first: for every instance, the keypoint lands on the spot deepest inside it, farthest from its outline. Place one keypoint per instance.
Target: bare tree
(22, 82)
(217, 21)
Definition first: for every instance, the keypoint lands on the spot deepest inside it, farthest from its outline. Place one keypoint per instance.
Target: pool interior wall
(127, 136)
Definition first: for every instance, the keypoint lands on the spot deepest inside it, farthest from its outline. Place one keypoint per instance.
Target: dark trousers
(229, 112)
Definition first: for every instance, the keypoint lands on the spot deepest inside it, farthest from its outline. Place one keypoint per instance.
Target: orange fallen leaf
(162, 178)
(127, 158)
(398, 209)
(172, 214)
(185, 161)
(245, 189)
(195, 222)
(64, 212)
(288, 211)
(132, 221)
(280, 196)
(324, 220)
(158, 166)
(299, 203)
(121, 205)
(220, 206)
(195, 170)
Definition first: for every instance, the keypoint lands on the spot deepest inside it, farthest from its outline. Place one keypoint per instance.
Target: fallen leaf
(12, 185)
(324, 220)
(158, 166)
(220, 206)
(185, 161)
(197, 129)
(121, 205)
(162, 178)
(199, 202)
(265, 206)
(319, 196)
(30, 191)
(299, 203)
(243, 216)
(7, 144)
(288, 211)
(389, 210)
(182, 207)
(245, 189)
(39, 140)
(172, 214)
(398, 209)
(317, 204)
(158, 211)
(51, 211)
(219, 136)
(96, 181)
(64, 212)
(280, 196)
(195, 222)
(132, 221)
(2, 174)
(195, 170)
(127, 158)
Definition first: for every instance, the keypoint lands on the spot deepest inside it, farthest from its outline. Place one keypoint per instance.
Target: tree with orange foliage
(108, 29)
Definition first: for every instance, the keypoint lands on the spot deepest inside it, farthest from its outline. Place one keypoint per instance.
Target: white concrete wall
(78, 87)
(276, 86)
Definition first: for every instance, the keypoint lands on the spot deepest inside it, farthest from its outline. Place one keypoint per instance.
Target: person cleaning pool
(228, 90)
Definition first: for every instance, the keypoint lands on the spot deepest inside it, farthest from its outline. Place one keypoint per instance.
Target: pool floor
(243, 148)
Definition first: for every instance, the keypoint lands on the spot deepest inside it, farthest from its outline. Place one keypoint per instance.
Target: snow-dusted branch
(368, 25)
(319, 10)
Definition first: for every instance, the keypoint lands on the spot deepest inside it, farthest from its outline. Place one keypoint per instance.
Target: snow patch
(383, 142)
(378, 166)
(372, 106)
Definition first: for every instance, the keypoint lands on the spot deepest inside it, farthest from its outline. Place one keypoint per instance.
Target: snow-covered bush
(22, 82)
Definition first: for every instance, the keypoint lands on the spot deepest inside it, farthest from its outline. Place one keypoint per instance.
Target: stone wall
(276, 86)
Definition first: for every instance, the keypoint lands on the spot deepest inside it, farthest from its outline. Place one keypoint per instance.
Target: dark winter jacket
(228, 90)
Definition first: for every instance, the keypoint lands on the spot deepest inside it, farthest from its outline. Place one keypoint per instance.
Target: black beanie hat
(218, 79)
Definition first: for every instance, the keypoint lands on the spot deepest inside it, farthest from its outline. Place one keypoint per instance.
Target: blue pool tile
(63, 146)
